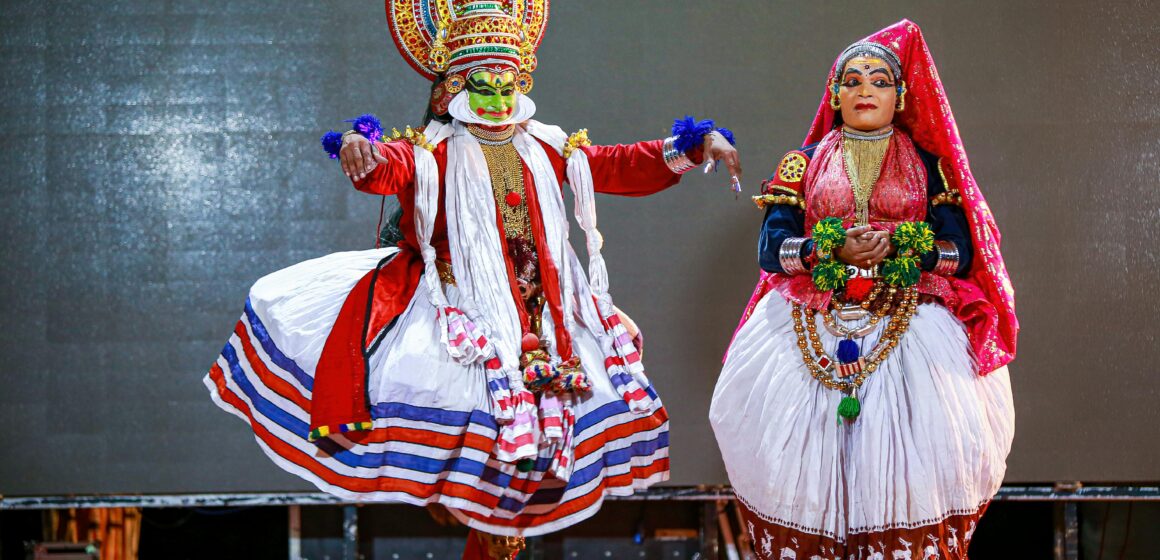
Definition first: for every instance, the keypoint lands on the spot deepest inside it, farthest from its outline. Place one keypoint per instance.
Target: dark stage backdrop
(158, 156)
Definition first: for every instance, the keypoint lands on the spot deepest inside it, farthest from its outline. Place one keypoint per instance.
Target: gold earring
(901, 97)
(835, 103)
(454, 83)
(524, 82)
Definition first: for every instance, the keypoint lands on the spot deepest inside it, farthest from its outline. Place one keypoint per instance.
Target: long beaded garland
(829, 372)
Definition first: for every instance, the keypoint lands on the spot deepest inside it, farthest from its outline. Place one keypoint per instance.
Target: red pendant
(513, 199)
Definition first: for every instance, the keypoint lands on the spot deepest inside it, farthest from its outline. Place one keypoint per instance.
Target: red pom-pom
(530, 342)
(513, 199)
(858, 288)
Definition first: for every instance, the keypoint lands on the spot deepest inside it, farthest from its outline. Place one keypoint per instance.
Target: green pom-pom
(829, 234)
(830, 275)
(525, 465)
(913, 238)
(849, 408)
(901, 271)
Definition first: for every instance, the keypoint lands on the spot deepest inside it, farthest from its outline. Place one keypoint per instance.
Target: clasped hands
(865, 247)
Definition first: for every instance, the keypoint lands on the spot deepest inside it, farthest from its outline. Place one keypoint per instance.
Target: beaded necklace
(850, 370)
(492, 137)
(862, 155)
(507, 184)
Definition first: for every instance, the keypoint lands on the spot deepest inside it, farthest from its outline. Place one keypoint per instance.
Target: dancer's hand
(633, 330)
(865, 247)
(717, 148)
(359, 157)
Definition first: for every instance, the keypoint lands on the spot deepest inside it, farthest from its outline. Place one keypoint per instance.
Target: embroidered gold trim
(788, 191)
(946, 185)
(792, 167)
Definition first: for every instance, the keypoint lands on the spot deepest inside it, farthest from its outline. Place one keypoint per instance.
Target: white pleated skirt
(433, 434)
(930, 444)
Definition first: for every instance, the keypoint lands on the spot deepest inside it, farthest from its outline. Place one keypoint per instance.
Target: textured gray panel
(157, 157)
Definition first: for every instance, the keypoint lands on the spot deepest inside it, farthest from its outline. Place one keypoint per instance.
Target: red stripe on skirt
(277, 384)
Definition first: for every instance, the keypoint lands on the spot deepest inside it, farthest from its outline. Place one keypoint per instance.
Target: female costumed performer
(475, 365)
(864, 409)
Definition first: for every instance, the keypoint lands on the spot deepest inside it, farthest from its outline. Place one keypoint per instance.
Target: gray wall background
(156, 157)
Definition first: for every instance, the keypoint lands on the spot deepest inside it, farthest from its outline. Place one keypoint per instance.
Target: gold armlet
(949, 197)
(764, 200)
(576, 140)
(413, 135)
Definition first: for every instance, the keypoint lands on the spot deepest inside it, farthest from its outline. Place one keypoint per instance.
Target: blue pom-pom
(848, 351)
(367, 125)
(690, 133)
(728, 134)
(332, 143)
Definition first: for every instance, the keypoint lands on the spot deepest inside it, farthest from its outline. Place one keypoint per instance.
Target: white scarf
(485, 329)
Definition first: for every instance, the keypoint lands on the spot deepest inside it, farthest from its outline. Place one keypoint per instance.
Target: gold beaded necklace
(825, 369)
(507, 184)
(822, 366)
(862, 156)
(492, 136)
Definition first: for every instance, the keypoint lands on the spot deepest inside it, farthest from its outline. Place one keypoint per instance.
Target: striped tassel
(625, 369)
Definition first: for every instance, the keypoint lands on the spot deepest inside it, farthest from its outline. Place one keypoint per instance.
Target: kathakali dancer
(864, 409)
(476, 364)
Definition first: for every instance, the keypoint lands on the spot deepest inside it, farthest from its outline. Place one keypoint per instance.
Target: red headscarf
(986, 299)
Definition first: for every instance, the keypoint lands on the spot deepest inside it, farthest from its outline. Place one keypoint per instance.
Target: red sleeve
(392, 177)
(632, 169)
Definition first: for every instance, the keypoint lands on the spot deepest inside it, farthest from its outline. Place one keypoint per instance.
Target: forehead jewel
(866, 48)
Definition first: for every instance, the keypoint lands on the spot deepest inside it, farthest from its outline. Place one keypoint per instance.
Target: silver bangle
(348, 133)
(948, 258)
(790, 255)
(677, 161)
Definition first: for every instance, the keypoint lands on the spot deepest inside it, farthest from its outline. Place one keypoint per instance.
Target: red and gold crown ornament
(455, 38)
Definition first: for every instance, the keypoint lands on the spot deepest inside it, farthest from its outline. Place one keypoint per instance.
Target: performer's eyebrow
(880, 70)
(853, 70)
(479, 85)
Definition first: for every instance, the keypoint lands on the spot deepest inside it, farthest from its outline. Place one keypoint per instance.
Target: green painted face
(492, 96)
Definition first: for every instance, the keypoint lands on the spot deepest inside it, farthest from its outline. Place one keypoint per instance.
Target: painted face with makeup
(868, 93)
(492, 95)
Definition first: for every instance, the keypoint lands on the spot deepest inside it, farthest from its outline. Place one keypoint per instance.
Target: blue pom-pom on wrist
(332, 143)
(691, 133)
(367, 125)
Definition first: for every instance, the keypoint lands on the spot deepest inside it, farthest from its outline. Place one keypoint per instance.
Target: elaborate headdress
(455, 38)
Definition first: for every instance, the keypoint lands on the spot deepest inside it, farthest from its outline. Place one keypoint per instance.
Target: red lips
(864, 106)
(481, 112)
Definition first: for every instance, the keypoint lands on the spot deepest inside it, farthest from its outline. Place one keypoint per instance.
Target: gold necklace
(862, 156)
(823, 368)
(500, 136)
(507, 184)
